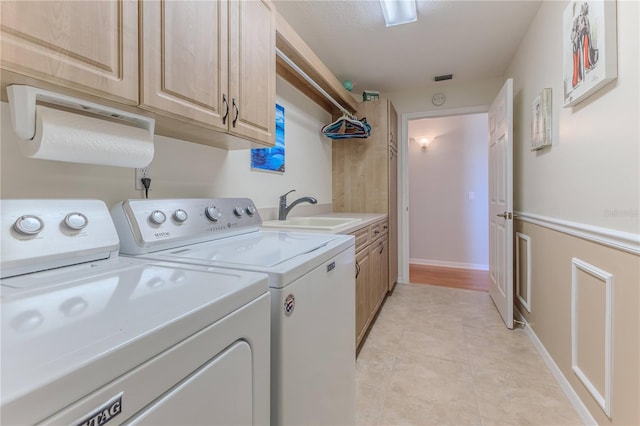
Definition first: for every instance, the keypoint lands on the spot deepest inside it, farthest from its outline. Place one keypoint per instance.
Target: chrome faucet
(284, 210)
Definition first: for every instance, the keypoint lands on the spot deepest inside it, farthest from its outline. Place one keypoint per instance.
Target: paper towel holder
(22, 105)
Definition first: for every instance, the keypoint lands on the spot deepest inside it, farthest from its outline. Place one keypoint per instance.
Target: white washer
(92, 338)
(312, 286)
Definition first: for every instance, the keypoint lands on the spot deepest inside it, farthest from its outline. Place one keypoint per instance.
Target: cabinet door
(184, 60)
(379, 273)
(384, 262)
(393, 217)
(392, 125)
(375, 280)
(362, 293)
(90, 46)
(252, 75)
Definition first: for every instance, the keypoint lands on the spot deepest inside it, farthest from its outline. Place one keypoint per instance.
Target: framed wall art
(589, 48)
(541, 131)
(271, 159)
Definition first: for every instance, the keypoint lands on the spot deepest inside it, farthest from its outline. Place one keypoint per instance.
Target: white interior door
(501, 202)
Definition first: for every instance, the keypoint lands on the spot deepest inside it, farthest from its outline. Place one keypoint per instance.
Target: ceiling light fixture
(398, 12)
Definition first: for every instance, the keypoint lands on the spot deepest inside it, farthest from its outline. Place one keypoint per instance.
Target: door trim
(403, 200)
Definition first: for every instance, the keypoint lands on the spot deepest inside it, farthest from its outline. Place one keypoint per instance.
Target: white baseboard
(568, 390)
(447, 264)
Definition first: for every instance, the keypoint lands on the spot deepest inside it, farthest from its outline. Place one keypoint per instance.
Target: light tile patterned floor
(442, 356)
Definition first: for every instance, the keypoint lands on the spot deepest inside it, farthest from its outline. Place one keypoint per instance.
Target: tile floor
(442, 356)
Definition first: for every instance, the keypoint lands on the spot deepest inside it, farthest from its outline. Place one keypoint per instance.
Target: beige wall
(182, 169)
(590, 175)
(446, 226)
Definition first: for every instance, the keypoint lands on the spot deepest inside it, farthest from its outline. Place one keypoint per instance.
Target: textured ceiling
(473, 40)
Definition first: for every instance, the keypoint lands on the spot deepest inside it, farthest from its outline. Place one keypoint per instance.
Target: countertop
(366, 219)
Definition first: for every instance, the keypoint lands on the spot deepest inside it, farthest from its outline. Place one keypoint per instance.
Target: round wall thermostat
(438, 99)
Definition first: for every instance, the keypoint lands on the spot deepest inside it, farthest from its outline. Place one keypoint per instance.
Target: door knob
(504, 215)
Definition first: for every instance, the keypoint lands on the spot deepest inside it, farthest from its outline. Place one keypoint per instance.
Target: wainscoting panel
(523, 270)
(592, 329)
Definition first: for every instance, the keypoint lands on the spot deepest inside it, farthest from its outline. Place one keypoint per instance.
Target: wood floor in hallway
(468, 279)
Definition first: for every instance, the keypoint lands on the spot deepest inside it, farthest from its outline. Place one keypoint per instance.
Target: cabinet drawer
(362, 238)
(384, 227)
(375, 231)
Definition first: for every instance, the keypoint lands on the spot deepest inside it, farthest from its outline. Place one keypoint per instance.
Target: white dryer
(312, 286)
(90, 338)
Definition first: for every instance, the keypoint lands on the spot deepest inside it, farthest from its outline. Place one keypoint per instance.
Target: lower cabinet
(372, 274)
(362, 293)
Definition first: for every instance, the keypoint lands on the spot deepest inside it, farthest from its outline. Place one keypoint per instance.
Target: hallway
(442, 356)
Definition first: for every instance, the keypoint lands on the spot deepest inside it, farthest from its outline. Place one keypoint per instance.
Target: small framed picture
(589, 48)
(271, 159)
(541, 120)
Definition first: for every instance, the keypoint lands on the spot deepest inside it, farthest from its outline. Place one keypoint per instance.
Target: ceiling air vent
(443, 77)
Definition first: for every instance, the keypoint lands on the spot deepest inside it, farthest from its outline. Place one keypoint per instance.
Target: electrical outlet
(144, 172)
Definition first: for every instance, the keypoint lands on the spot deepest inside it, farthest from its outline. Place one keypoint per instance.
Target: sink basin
(312, 222)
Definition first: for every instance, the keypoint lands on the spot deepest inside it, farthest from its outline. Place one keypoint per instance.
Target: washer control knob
(180, 216)
(76, 221)
(157, 217)
(250, 210)
(28, 225)
(212, 213)
(238, 211)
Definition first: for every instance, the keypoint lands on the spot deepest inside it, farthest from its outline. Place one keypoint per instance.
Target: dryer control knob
(238, 211)
(28, 225)
(212, 213)
(180, 216)
(157, 217)
(76, 221)
(250, 210)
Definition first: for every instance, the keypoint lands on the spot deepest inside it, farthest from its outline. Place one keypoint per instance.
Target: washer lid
(115, 314)
(261, 249)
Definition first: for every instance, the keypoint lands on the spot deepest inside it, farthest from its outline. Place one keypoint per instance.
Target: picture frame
(272, 159)
(541, 120)
(589, 40)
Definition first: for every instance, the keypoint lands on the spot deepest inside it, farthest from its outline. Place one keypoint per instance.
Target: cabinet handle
(376, 232)
(357, 269)
(381, 248)
(235, 106)
(386, 227)
(226, 112)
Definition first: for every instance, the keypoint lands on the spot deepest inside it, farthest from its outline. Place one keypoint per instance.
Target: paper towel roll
(65, 136)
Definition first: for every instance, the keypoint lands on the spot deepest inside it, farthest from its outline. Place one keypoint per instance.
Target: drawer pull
(357, 269)
(235, 106)
(226, 112)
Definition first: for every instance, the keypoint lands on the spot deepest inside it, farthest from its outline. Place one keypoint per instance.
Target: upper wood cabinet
(90, 46)
(211, 63)
(184, 68)
(252, 69)
(392, 127)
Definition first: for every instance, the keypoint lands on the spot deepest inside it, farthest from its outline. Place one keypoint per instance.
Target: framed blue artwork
(271, 159)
